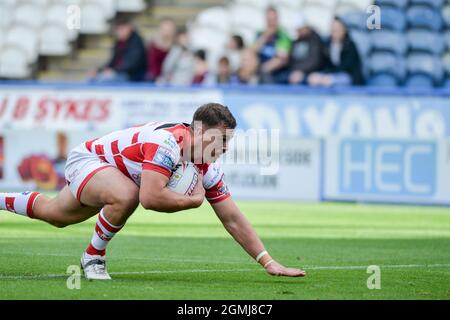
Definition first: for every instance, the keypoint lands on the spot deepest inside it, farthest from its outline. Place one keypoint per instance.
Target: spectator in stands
(128, 59)
(178, 67)
(248, 71)
(159, 47)
(343, 63)
(234, 51)
(307, 53)
(273, 46)
(201, 68)
(224, 73)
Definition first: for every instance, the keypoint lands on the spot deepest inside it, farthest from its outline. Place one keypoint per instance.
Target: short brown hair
(215, 114)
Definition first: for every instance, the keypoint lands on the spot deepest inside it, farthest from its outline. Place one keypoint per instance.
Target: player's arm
(154, 195)
(242, 231)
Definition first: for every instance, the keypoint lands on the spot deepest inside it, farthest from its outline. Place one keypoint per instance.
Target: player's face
(211, 143)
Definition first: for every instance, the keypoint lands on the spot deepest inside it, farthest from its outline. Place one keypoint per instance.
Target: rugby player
(112, 175)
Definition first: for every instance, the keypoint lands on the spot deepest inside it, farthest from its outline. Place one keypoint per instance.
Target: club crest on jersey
(163, 157)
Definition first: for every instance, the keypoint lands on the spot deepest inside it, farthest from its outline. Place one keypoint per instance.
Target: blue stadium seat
(427, 65)
(401, 4)
(425, 41)
(393, 19)
(446, 37)
(446, 83)
(383, 80)
(355, 20)
(419, 81)
(446, 63)
(446, 15)
(423, 17)
(435, 4)
(362, 41)
(386, 40)
(386, 62)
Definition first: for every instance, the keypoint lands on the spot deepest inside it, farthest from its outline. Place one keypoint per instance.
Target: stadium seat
(207, 38)
(387, 40)
(25, 38)
(94, 19)
(393, 19)
(400, 4)
(13, 63)
(356, 4)
(57, 14)
(419, 81)
(446, 15)
(446, 37)
(385, 62)
(435, 4)
(383, 80)
(425, 41)
(29, 14)
(215, 17)
(328, 4)
(6, 15)
(446, 62)
(446, 83)
(109, 7)
(424, 17)
(247, 16)
(294, 4)
(288, 19)
(355, 20)
(10, 3)
(54, 41)
(131, 5)
(362, 41)
(318, 18)
(425, 64)
(259, 4)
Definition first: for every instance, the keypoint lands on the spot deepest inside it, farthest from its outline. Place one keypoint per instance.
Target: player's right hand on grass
(198, 194)
(276, 269)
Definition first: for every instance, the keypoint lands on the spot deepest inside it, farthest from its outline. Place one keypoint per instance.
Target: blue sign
(344, 115)
(383, 167)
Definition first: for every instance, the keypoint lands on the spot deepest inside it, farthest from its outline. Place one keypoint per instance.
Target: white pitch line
(306, 268)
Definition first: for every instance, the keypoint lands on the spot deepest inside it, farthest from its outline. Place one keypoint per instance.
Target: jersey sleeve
(214, 184)
(161, 153)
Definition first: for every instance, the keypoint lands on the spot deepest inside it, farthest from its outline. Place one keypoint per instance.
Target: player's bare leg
(118, 196)
(61, 211)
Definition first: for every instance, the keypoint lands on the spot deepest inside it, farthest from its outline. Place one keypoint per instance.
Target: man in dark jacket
(306, 54)
(128, 59)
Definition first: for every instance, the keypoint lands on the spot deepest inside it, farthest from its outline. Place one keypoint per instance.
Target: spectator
(178, 67)
(248, 71)
(307, 53)
(273, 46)
(128, 59)
(159, 48)
(224, 73)
(201, 67)
(234, 51)
(343, 63)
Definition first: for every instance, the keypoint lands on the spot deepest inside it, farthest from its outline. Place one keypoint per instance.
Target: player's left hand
(276, 269)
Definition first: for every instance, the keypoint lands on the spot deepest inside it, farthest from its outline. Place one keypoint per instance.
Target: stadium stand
(415, 34)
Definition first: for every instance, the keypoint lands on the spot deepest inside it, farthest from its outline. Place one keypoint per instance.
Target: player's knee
(128, 201)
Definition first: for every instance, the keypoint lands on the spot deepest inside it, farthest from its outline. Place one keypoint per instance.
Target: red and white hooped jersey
(155, 146)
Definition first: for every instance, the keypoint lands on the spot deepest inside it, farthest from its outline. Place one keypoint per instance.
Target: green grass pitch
(189, 255)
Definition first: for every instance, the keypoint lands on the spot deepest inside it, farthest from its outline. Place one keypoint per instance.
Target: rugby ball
(184, 178)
